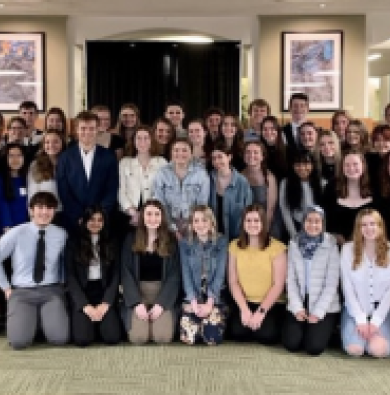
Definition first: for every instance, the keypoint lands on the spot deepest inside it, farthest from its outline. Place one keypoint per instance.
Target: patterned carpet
(229, 369)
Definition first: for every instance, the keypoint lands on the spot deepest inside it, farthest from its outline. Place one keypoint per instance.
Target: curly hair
(381, 244)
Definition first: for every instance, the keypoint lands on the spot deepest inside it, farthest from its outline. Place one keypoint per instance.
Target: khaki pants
(160, 330)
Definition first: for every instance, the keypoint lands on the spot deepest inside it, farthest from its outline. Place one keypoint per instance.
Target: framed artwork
(22, 70)
(312, 63)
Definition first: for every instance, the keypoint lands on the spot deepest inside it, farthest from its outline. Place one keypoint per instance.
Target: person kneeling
(257, 274)
(150, 278)
(92, 268)
(312, 286)
(36, 292)
(203, 258)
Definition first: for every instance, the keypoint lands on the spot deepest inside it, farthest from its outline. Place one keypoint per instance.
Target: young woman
(312, 286)
(276, 149)
(203, 257)
(41, 175)
(329, 155)
(137, 172)
(201, 142)
(16, 130)
(261, 180)
(164, 135)
(345, 198)
(257, 274)
(365, 273)
(340, 121)
(150, 278)
(230, 192)
(180, 185)
(301, 189)
(357, 137)
(13, 187)
(380, 139)
(233, 137)
(92, 268)
(55, 119)
(128, 121)
(308, 136)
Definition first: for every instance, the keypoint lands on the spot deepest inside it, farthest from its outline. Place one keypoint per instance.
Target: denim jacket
(177, 196)
(216, 260)
(236, 197)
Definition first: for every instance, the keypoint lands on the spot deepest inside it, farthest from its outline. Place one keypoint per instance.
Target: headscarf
(308, 244)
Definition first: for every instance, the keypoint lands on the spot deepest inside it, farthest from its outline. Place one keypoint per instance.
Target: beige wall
(56, 52)
(354, 60)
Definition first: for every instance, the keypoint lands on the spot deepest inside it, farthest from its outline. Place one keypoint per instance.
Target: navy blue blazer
(76, 192)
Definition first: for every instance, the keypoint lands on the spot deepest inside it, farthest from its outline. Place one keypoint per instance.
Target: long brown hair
(44, 168)
(131, 149)
(264, 238)
(381, 244)
(342, 181)
(263, 165)
(163, 245)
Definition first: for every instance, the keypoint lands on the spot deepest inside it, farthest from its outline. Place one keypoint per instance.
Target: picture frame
(22, 70)
(312, 63)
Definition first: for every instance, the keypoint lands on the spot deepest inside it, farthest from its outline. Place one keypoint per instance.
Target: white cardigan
(135, 182)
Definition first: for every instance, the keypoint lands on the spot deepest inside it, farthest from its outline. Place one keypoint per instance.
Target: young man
(36, 290)
(174, 111)
(212, 119)
(87, 173)
(104, 115)
(258, 110)
(29, 111)
(299, 108)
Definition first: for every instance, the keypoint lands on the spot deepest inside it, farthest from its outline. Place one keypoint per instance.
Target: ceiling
(190, 7)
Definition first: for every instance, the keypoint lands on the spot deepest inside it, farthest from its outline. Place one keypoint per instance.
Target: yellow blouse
(255, 268)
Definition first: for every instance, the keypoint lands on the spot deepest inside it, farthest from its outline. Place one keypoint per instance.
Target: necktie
(39, 267)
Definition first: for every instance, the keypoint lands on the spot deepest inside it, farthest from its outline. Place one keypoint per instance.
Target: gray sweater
(324, 278)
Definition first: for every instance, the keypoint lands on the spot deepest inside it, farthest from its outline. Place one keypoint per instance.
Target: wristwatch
(262, 310)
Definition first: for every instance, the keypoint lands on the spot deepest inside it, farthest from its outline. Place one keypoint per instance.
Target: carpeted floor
(229, 369)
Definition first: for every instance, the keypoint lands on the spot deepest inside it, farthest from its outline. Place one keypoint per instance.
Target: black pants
(86, 331)
(269, 331)
(312, 338)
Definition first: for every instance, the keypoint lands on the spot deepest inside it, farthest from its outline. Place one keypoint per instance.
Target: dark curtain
(150, 74)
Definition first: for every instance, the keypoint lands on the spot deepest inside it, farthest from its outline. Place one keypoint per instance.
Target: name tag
(23, 191)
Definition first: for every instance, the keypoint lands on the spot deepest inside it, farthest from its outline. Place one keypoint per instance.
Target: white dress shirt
(87, 158)
(364, 286)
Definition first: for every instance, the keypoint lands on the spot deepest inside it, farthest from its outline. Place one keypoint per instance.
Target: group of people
(207, 232)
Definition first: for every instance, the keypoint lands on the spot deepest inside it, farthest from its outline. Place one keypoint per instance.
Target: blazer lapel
(95, 166)
(79, 164)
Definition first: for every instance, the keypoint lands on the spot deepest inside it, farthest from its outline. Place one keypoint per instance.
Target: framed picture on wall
(22, 70)
(312, 63)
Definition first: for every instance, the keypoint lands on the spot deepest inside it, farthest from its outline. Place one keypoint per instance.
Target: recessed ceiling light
(1, 5)
(322, 5)
(374, 56)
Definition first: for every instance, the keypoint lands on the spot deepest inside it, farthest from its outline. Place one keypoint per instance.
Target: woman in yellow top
(257, 275)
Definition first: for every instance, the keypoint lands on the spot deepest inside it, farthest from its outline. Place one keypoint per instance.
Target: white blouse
(135, 182)
(94, 268)
(364, 287)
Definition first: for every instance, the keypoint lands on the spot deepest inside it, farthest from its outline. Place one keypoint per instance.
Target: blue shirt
(20, 243)
(14, 212)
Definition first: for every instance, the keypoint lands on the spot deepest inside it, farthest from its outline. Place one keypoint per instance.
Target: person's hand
(246, 316)
(7, 293)
(141, 312)
(102, 309)
(155, 312)
(256, 320)
(364, 331)
(301, 315)
(373, 330)
(205, 310)
(312, 319)
(91, 312)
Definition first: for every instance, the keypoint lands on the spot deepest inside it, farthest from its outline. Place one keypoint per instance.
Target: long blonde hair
(381, 244)
(208, 213)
